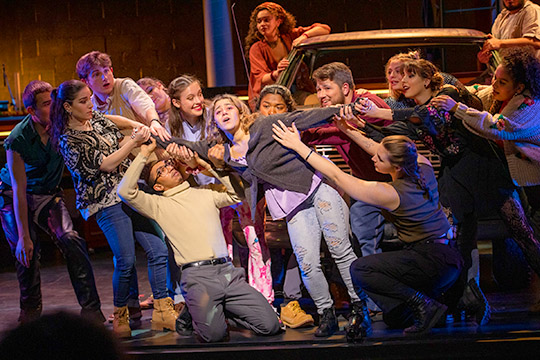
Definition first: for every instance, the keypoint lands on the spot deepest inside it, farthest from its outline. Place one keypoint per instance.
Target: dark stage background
(41, 39)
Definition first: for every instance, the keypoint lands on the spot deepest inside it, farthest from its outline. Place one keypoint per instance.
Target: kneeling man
(212, 287)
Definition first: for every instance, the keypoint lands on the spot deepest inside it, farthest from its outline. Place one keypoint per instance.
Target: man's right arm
(128, 189)
(25, 246)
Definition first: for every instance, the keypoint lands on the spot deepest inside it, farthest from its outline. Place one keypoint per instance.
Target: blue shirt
(43, 165)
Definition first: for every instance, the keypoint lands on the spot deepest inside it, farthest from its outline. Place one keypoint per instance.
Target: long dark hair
(175, 90)
(66, 92)
(402, 152)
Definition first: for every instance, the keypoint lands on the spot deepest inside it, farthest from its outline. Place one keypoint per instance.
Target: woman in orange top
(272, 34)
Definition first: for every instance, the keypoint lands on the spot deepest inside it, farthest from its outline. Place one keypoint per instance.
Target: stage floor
(513, 330)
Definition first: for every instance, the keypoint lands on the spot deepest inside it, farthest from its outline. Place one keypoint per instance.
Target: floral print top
(83, 153)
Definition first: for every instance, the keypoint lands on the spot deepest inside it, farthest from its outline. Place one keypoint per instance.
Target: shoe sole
(330, 333)
(296, 326)
(159, 326)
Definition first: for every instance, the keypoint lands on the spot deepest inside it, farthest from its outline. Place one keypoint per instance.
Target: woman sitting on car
(272, 34)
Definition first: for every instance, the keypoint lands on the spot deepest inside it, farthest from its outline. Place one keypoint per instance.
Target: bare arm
(122, 122)
(496, 44)
(25, 246)
(111, 162)
(372, 192)
(353, 133)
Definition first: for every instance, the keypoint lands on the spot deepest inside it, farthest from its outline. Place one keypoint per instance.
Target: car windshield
(366, 53)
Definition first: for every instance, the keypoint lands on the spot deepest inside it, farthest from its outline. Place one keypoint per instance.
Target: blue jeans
(367, 224)
(324, 212)
(122, 226)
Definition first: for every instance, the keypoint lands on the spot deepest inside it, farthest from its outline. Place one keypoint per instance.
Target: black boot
(427, 312)
(475, 303)
(328, 323)
(184, 325)
(359, 322)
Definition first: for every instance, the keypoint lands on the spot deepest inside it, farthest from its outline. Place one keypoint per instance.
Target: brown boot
(294, 317)
(164, 316)
(121, 322)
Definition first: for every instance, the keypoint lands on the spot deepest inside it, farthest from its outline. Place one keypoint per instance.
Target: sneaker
(328, 324)
(184, 324)
(294, 317)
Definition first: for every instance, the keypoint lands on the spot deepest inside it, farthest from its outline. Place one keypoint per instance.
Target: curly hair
(288, 23)
(402, 152)
(401, 57)
(523, 67)
(66, 92)
(214, 133)
(426, 70)
(277, 90)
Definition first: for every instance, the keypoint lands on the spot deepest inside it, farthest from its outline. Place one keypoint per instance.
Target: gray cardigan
(268, 161)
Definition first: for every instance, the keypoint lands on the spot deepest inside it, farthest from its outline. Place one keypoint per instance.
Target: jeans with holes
(122, 226)
(323, 213)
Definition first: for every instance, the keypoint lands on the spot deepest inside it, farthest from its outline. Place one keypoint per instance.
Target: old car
(366, 52)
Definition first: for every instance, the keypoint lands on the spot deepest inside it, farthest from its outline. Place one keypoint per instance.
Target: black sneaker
(328, 324)
(184, 325)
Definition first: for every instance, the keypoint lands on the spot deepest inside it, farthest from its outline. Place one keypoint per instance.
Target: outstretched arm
(372, 192)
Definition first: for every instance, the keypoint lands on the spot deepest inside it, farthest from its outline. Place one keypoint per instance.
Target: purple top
(282, 202)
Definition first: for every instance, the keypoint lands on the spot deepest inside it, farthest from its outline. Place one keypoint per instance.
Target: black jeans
(391, 278)
(49, 213)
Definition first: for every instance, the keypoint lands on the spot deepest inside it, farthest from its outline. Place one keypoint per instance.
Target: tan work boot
(121, 321)
(164, 316)
(294, 317)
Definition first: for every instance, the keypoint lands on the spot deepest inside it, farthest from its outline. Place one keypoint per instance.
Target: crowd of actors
(167, 168)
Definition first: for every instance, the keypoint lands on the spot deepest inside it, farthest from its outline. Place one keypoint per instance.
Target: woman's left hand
(443, 102)
(288, 137)
(157, 130)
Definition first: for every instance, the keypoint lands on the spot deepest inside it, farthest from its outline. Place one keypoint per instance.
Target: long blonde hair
(401, 57)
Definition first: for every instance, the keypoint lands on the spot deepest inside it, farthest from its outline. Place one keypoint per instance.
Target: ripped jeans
(324, 212)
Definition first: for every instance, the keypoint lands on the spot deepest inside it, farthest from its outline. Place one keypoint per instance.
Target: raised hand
(288, 137)
(148, 148)
(157, 130)
(216, 155)
(443, 102)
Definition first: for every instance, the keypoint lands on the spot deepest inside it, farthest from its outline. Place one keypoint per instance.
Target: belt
(218, 261)
(438, 241)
